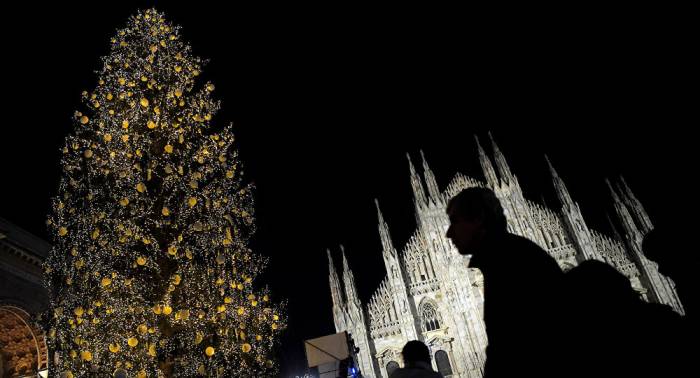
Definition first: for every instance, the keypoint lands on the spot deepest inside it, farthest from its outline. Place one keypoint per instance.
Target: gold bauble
(133, 342)
(84, 120)
(125, 124)
(62, 231)
(144, 102)
(141, 260)
(142, 329)
(114, 348)
(246, 348)
(86, 355)
(151, 125)
(192, 201)
(169, 148)
(165, 211)
(106, 281)
(78, 311)
(140, 187)
(209, 351)
(108, 137)
(124, 201)
(167, 310)
(88, 153)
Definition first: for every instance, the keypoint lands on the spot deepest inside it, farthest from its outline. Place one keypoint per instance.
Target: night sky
(326, 103)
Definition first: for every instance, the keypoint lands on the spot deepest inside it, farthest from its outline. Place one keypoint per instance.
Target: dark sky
(326, 102)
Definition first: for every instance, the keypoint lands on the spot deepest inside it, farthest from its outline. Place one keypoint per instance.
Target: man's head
(415, 351)
(474, 213)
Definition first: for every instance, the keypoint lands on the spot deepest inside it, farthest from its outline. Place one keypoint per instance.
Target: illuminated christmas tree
(150, 274)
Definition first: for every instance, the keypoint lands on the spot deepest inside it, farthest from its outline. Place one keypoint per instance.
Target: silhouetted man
(521, 283)
(613, 332)
(416, 360)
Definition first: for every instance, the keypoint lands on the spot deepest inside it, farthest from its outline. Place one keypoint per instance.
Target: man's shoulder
(528, 252)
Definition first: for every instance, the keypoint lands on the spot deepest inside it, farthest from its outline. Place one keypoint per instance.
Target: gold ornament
(142, 329)
(178, 93)
(106, 281)
(124, 201)
(140, 187)
(209, 351)
(78, 311)
(86, 355)
(141, 260)
(246, 348)
(144, 102)
(169, 148)
(192, 201)
(167, 310)
(84, 120)
(125, 124)
(114, 348)
(108, 137)
(165, 211)
(133, 342)
(62, 231)
(152, 350)
(151, 125)
(88, 153)
(210, 87)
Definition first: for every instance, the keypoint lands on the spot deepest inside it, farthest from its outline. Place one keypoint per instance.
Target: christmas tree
(151, 274)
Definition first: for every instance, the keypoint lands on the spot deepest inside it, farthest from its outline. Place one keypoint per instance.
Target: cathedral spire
(430, 181)
(348, 280)
(334, 281)
(615, 197)
(486, 166)
(336, 295)
(417, 185)
(559, 186)
(387, 245)
(501, 164)
(636, 206)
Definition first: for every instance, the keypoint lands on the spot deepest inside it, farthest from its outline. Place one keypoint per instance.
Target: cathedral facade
(431, 294)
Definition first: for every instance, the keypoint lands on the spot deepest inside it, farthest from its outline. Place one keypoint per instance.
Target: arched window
(443, 363)
(391, 366)
(431, 321)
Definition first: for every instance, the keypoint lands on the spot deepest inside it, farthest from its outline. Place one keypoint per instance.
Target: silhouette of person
(674, 262)
(416, 360)
(613, 332)
(521, 287)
